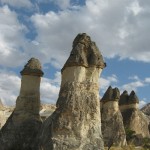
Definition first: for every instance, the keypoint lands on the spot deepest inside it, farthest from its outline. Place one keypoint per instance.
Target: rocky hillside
(146, 109)
(45, 111)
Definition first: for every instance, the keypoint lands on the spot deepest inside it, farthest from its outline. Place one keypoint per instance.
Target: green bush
(146, 143)
(129, 134)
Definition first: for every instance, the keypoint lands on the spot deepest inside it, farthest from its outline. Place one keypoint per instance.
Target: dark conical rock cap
(111, 95)
(33, 68)
(133, 98)
(84, 53)
(124, 98)
(116, 93)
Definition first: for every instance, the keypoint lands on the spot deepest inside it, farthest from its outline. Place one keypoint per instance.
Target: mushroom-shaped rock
(133, 99)
(111, 95)
(84, 53)
(112, 121)
(128, 101)
(76, 124)
(24, 123)
(133, 118)
(124, 98)
(33, 68)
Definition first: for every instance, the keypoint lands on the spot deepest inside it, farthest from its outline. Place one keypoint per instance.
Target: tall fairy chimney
(128, 101)
(112, 122)
(76, 123)
(24, 123)
(133, 118)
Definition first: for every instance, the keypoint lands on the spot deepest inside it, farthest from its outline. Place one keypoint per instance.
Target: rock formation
(76, 124)
(1, 113)
(112, 122)
(1, 105)
(23, 124)
(133, 118)
(146, 109)
(46, 110)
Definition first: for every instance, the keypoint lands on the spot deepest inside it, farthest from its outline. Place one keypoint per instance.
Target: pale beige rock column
(133, 118)
(2, 114)
(76, 123)
(28, 101)
(112, 122)
(24, 123)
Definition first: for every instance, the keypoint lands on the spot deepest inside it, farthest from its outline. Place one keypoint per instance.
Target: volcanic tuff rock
(112, 121)
(46, 110)
(2, 120)
(24, 122)
(1, 105)
(133, 118)
(76, 124)
(146, 109)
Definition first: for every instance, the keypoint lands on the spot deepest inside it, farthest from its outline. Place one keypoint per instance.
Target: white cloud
(49, 91)
(132, 86)
(18, 3)
(12, 40)
(110, 24)
(147, 80)
(50, 88)
(135, 77)
(105, 82)
(142, 103)
(116, 30)
(62, 3)
(135, 7)
(10, 87)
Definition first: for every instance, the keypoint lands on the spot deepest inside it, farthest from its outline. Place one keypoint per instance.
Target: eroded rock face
(146, 109)
(2, 119)
(24, 123)
(76, 124)
(133, 118)
(112, 121)
(1, 105)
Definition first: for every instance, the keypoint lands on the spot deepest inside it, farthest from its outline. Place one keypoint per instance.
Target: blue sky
(45, 29)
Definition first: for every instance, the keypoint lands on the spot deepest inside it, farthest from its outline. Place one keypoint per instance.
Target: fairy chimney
(76, 123)
(133, 118)
(128, 101)
(23, 124)
(112, 121)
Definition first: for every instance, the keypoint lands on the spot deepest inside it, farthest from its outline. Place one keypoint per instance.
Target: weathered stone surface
(2, 120)
(133, 118)
(1, 105)
(76, 124)
(33, 67)
(84, 53)
(24, 123)
(146, 109)
(46, 110)
(128, 101)
(124, 98)
(111, 95)
(112, 121)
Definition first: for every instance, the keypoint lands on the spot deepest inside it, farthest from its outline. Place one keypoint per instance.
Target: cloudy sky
(45, 29)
